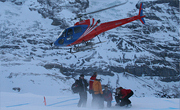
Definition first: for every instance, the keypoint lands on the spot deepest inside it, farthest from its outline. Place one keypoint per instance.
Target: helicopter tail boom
(113, 24)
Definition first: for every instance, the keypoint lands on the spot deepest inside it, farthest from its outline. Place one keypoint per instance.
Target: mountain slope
(28, 27)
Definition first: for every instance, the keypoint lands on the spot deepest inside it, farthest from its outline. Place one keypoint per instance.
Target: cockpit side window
(70, 32)
(77, 30)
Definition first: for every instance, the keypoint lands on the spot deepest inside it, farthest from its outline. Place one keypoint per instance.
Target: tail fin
(141, 13)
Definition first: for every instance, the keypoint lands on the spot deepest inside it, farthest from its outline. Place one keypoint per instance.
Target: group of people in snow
(99, 96)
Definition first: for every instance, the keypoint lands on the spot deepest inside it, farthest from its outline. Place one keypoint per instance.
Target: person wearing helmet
(98, 93)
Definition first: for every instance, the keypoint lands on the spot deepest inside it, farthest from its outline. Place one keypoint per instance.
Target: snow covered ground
(68, 101)
(59, 97)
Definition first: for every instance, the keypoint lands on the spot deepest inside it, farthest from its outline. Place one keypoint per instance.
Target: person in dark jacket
(107, 94)
(125, 95)
(82, 91)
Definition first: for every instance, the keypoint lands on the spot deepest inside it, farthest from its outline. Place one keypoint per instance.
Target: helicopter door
(69, 34)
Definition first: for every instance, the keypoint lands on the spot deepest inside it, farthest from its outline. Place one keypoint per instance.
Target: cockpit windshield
(62, 34)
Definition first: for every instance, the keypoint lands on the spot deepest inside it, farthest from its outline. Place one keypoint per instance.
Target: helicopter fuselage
(88, 29)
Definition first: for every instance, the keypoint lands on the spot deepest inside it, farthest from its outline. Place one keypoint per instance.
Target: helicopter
(85, 30)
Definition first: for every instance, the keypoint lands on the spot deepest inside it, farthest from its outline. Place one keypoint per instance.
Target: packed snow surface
(68, 101)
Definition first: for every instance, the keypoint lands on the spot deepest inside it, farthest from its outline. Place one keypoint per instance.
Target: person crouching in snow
(107, 96)
(98, 94)
(125, 95)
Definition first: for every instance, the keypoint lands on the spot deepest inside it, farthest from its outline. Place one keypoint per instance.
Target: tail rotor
(141, 14)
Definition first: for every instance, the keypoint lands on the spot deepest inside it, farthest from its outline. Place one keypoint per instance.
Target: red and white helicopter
(86, 30)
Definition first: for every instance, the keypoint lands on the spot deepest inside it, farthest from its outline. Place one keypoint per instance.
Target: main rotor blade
(81, 15)
(106, 8)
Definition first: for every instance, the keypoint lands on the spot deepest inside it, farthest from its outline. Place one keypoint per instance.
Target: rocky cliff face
(151, 49)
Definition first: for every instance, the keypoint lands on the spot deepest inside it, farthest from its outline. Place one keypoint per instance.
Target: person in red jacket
(91, 81)
(125, 95)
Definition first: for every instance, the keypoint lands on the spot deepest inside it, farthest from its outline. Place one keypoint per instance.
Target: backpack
(75, 87)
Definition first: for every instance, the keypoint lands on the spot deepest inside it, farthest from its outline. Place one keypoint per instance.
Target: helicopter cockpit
(62, 35)
(70, 35)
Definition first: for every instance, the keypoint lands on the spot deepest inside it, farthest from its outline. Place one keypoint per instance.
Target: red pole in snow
(44, 100)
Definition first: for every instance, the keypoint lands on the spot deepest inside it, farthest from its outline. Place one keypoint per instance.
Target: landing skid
(88, 46)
